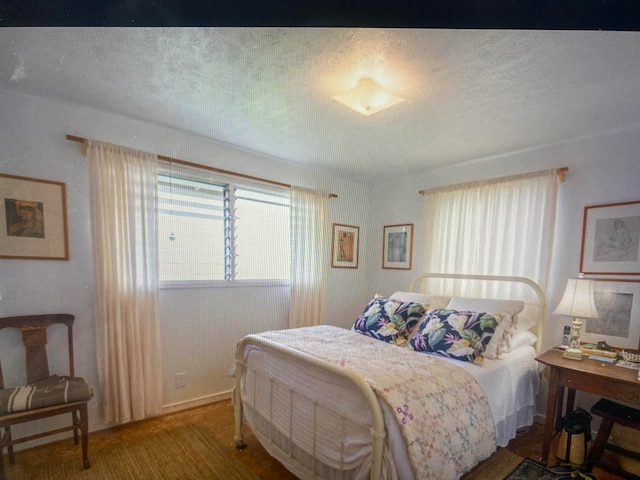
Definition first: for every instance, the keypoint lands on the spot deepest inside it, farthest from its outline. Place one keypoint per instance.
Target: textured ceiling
(470, 93)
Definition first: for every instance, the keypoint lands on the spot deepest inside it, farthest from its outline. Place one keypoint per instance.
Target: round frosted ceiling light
(367, 97)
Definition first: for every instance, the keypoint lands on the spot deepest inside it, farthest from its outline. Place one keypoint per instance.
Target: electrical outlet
(181, 380)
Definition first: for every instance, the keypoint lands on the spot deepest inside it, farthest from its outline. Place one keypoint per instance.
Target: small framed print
(397, 246)
(344, 246)
(618, 305)
(33, 219)
(611, 239)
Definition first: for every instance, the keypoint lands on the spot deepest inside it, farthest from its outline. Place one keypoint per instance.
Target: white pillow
(523, 323)
(522, 339)
(428, 301)
(504, 311)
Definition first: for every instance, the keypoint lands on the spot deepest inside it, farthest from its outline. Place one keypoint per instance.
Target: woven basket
(629, 439)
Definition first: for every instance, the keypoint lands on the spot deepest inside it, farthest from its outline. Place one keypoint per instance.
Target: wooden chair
(612, 413)
(43, 395)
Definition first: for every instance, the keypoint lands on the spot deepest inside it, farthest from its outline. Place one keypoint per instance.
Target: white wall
(602, 169)
(200, 326)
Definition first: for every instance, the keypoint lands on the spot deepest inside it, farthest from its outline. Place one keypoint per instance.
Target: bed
(428, 395)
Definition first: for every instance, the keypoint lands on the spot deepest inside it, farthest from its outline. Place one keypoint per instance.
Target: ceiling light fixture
(367, 97)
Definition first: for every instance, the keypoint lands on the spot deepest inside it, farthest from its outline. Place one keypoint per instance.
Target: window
(215, 230)
(262, 228)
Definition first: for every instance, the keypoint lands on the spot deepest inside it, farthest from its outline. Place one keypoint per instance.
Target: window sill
(179, 284)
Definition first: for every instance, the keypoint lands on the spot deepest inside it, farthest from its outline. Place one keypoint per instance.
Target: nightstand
(592, 376)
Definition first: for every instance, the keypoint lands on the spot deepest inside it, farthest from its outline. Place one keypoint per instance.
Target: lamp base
(573, 354)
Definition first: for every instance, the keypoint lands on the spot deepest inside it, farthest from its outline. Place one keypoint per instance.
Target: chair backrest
(34, 338)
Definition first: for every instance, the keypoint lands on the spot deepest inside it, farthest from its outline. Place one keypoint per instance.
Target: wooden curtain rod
(177, 161)
(560, 172)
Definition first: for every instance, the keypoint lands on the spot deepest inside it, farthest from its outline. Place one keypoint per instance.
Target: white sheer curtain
(309, 254)
(123, 210)
(498, 227)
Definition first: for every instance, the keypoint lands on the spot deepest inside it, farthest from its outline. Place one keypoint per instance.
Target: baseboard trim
(196, 402)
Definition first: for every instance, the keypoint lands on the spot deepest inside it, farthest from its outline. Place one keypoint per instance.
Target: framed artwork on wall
(345, 240)
(397, 246)
(611, 239)
(618, 322)
(33, 219)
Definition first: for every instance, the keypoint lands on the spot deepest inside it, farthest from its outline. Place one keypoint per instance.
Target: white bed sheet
(509, 382)
(511, 386)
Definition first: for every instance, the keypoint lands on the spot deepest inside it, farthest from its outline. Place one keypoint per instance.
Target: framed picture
(397, 246)
(611, 239)
(33, 219)
(344, 246)
(618, 322)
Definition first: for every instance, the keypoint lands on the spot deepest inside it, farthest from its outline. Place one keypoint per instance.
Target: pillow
(505, 312)
(461, 335)
(521, 339)
(522, 323)
(389, 320)
(428, 301)
(499, 342)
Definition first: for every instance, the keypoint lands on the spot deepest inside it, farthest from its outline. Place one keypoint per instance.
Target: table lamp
(577, 302)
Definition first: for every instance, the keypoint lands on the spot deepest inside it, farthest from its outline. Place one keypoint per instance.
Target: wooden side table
(592, 376)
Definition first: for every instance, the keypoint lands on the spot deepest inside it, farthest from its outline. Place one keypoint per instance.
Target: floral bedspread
(441, 409)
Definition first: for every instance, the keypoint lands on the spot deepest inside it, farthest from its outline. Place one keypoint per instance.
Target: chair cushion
(54, 390)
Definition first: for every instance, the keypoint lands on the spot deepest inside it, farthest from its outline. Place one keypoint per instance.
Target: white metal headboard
(541, 298)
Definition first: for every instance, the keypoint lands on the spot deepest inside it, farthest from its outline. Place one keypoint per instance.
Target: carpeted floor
(198, 444)
(187, 452)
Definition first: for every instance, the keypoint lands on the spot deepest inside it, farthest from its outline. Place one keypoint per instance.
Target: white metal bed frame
(378, 431)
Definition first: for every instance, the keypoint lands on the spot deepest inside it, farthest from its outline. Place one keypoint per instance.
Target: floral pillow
(461, 335)
(389, 320)
(505, 312)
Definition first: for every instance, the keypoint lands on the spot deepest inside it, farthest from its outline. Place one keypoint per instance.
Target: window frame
(231, 183)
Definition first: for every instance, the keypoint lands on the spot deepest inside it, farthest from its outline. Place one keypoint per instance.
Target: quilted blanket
(442, 412)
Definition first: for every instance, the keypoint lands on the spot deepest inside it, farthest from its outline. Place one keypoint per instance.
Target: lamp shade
(578, 300)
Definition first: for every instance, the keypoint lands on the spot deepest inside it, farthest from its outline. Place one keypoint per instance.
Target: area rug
(187, 452)
(530, 470)
(505, 465)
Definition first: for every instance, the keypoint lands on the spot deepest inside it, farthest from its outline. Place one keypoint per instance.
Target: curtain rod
(560, 172)
(74, 138)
